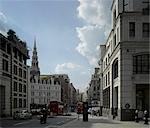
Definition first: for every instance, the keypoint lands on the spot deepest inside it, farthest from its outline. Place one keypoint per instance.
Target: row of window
(44, 93)
(20, 103)
(43, 87)
(6, 47)
(20, 72)
(145, 29)
(19, 87)
(45, 81)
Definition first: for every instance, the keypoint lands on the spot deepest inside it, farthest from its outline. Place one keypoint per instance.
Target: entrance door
(142, 97)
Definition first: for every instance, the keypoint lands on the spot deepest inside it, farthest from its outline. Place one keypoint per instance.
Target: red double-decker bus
(56, 108)
(79, 107)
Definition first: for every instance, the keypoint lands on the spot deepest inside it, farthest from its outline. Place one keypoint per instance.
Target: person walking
(145, 117)
(136, 116)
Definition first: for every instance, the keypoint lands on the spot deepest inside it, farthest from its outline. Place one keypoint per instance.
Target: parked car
(24, 114)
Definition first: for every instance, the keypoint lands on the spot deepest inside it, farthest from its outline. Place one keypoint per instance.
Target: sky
(68, 33)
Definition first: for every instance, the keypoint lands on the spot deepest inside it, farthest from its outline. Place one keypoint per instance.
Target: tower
(34, 70)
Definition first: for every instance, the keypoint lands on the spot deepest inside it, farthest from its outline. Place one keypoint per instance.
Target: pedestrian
(145, 117)
(136, 116)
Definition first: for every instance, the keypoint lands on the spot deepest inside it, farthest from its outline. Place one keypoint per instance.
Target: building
(68, 92)
(93, 91)
(13, 74)
(125, 60)
(43, 88)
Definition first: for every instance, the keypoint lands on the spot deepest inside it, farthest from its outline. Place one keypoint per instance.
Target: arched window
(115, 69)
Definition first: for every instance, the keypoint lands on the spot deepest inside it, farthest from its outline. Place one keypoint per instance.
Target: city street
(34, 122)
(72, 122)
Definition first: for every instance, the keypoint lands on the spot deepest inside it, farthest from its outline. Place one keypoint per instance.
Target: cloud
(96, 14)
(66, 67)
(90, 38)
(3, 24)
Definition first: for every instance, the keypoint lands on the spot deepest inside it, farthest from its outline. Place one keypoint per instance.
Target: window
(141, 64)
(32, 100)
(24, 88)
(15, 52)
(117, 34)
(24, 103)
(32, 93)
(145, 29)
(146, 10)
(106, 98)
(114, 40)
(108, 78)
(15, 69)
(115, 69)
(15, 86)
(15, 102)
(132, 29)
(20, 87)
(3, 45)
(94, 88)
(20, 72)
(24, 74)
(5, 65)
(20, 103)
(8, 49)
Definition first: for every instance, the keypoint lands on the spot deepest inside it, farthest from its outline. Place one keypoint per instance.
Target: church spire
(34, 43)
(35, 71)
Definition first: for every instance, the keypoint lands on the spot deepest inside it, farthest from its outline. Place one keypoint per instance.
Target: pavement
(103, 122)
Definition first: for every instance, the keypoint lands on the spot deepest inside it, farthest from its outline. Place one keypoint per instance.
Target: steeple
(34, 43)
(35, 71)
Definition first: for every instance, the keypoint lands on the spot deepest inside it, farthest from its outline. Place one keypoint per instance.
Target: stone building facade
(13, 74)
(43, 88)
(125, 60)
(93, 92)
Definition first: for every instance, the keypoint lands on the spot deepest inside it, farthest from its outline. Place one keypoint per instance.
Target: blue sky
(68, 33)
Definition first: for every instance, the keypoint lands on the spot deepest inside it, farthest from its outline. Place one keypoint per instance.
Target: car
(23, 114)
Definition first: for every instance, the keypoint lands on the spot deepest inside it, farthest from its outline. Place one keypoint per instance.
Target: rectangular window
(15, 86)
(146, 29)
(132, 29)
(32, 93)
(24, 74)
(24, 89)
(20, 72)
(5, 65)
(15, 69)
(20, 103)
(108, 78)
(15, 52)
(24, 103)
(114, 40)
(20, 87)
(15, 102)
(141, 64)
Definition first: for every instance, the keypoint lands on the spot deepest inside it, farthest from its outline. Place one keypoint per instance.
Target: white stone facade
(13, 75)
(128, 41)
(47, 90)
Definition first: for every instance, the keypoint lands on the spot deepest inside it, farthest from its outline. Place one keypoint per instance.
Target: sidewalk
(103, 122)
